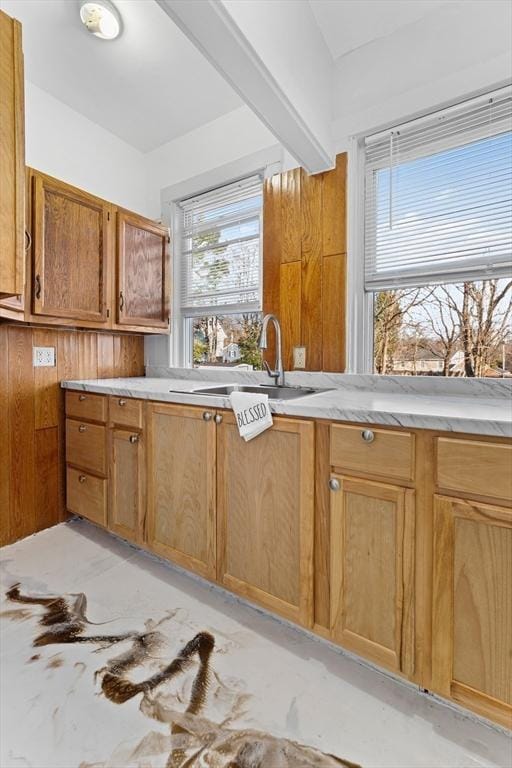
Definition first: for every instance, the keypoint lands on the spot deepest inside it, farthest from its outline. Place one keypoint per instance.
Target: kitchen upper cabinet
(265, 515)
(372, 571)
(71, 241)
(143, 284)
(12, 158)
(126, 484)
(472, 606)
(181, 486)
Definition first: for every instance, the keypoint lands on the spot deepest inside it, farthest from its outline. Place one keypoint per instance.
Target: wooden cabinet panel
(125, 411)
(265, 515)
(86, 446)
(181, 486)
(83, 405)
(126, 480)
(387, 453)
(304, 244)
(143, 280)
(12, 158)
(70, 252)
(372, 571)
(472, 606)
(474, 466)
(87, 495)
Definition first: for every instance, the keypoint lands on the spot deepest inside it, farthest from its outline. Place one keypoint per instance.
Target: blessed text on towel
(252, 414)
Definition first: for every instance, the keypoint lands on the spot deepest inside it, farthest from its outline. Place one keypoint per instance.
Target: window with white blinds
(438, 197)
(220, 250)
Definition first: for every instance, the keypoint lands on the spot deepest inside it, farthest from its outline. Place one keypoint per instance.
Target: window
(438, 242)
(220, 275)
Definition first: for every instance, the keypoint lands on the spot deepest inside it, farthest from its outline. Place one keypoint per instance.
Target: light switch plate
(43, 357)
(299, 358)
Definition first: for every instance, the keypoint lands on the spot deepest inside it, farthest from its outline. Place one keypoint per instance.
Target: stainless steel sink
(274, 392)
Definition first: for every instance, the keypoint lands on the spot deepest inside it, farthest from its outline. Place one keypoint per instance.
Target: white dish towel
(252, 413)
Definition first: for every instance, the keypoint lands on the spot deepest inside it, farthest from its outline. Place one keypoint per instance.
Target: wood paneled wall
(32, 492)
(304, 263)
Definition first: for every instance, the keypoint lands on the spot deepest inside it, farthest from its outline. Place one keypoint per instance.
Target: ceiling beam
(273, 56)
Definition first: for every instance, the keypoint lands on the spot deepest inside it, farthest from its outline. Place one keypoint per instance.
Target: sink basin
(274, 392)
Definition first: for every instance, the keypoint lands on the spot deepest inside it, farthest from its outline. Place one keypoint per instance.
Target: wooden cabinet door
(12, 158)
(70, 252)
(265, 515)
(181, 486)
(472, 606)
(143, 286)
(126, 512)
(372, 571)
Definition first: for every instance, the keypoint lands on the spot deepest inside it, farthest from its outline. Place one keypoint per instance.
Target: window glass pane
(456, 329)
(227, 340)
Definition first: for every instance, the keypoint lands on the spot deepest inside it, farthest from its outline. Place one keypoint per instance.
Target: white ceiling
(147, 87)
(350, 24)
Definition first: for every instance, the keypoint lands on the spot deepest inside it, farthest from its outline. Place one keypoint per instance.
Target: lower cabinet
(265, 515)
(126, 481)
(87, 495)
(181, 486)
(472, 606)
(372, 571)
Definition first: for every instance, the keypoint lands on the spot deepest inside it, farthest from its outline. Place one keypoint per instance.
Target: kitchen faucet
(278, 373)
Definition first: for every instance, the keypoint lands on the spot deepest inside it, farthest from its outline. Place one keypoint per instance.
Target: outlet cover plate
(299, 358)
(43, 357)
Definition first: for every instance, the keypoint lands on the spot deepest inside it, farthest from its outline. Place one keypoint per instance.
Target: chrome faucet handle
(273, 374)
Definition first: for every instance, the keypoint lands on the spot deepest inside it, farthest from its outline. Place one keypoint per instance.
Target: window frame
(360, 302)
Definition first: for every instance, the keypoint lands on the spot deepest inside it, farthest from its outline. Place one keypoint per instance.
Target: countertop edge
(309, 409)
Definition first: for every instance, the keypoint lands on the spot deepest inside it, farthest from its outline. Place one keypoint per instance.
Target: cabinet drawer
(82, 405)
(475, 467)
(386, 453)
(85, 445)
(87, 495)
(125, 411)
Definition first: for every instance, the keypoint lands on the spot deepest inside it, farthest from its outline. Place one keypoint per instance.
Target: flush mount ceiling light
(100, 18)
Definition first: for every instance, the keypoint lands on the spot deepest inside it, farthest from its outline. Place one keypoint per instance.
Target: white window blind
(438, 197)
(220, 250)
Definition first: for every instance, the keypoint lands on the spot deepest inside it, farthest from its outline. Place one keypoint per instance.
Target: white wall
(65, 144)
(220, 142)
(454, 52)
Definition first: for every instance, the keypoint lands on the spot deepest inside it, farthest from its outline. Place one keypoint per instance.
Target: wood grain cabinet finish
(475, 467)
(83, 405)
(70, 252)
(472, 606)
(126, 412)
(126, 484)
(87, 495)
(143, 280)
(12, 158)
(372, 571)
(181, 486)
(373, 451)
(86, 446)
(265, 515)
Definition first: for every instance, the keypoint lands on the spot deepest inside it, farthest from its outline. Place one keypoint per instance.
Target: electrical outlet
(43, 357)
(299, 358)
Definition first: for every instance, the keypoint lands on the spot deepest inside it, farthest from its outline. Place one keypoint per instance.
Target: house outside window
(438, 242)
(221, 275)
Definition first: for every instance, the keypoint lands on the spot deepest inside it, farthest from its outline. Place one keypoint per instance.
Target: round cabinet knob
(134, 438)
(122, 402)
(368, 436)
(207, 416)
(81, 478)
(81, 398)
(218, 418)
(334, 484)
(82, 428)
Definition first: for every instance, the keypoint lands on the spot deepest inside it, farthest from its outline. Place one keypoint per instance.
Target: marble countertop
(455, 413)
